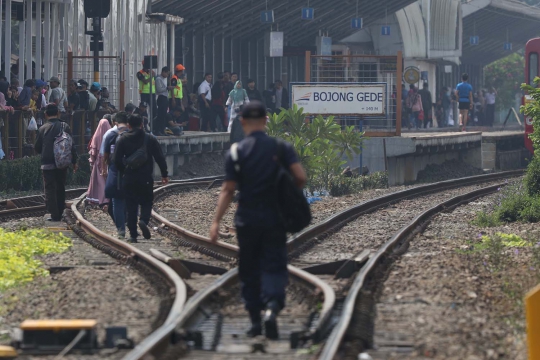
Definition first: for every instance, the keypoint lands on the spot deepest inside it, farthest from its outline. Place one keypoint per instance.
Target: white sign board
(274, 47)
(340, 99)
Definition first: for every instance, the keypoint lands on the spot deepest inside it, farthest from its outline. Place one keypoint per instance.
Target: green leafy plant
(502, 75)
(322, 145)
(18, 251)
(25, 174)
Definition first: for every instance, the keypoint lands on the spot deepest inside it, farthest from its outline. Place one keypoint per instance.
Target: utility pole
(96, 10)
(97, 44)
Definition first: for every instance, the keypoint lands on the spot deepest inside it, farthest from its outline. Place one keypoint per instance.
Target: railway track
(212, 322)
(360, 266)
(30, 206)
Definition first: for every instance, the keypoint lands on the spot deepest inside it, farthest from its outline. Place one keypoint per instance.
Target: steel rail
(231, 251)
(297, 241)
(332, 344)
(34, 204)
(178, 287)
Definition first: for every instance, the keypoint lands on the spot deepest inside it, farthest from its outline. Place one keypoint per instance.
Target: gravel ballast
(446, 299)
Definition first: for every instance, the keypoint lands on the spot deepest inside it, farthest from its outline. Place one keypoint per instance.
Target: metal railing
(111, 72)
(363, 69)
(18, 141)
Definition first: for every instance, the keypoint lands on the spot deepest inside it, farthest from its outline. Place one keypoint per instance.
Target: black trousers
(262, 265)
(162, 105)
(490, 114)
(208, 119)
(138, 194)
(54, 182)
(220, 112)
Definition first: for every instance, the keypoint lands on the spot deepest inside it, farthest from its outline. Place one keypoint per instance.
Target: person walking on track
(252, 165)
(54, 178)
(464, 92)
(134, 156)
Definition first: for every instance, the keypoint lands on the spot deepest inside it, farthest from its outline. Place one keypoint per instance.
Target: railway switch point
(53, 336)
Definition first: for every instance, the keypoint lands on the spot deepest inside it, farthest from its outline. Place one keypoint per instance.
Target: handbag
(421, 115)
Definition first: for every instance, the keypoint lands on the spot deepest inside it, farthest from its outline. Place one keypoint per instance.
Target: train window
(533, 67)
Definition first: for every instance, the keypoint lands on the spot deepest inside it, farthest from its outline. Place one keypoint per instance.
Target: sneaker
(132, 240)
(145, 230)
(270, 321)
(121, 235)
(255, 330)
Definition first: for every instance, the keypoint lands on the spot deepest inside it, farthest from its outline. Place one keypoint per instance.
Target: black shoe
(256, 326)
(55, 220)
(255, 330)
(145, 230)
(270, 321)
(132, 240)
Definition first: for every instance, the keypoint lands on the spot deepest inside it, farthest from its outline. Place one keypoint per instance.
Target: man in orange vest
(177, 93)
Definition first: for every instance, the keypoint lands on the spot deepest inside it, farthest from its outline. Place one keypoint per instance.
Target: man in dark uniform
(261, 234)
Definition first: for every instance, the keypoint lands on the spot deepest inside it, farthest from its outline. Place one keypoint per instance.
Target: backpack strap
(234, 156)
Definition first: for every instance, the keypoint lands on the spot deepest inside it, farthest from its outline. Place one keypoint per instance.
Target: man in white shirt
(205, 98)
(58, 96)
(162, 92)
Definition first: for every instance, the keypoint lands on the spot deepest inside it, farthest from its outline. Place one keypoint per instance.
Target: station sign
(340, 98)
(274, 44)
(356, 23)
(385, 30)
(308, 13)
(267, 17)
(508, 46)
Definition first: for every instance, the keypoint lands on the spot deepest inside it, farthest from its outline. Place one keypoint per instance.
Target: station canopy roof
(241, 18)
(497, 22)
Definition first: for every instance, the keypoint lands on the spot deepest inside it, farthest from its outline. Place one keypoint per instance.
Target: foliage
(341, 185)
(484, 219)
(505, 76)
(25, 174)
(321, 143)
(17, 252)
(532, 109)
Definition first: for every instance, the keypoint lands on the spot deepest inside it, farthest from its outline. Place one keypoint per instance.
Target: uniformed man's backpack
(63, 142)
(292, 204)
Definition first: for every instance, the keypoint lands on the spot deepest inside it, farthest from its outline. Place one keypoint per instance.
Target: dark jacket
(127, 144)
(284, 99)
(254, 95)
(45, 142)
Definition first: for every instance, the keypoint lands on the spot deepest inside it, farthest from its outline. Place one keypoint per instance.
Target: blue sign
(267, 16)
(507, 46)
(308, 13)
(356, 23)
(474, 40)
(385, 30)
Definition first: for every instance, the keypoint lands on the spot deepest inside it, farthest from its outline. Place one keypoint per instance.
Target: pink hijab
(97, 139)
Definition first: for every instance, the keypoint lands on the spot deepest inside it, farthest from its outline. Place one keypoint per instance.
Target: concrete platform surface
(502, 134)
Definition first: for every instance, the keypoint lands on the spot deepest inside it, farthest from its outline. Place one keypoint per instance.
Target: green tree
(532, 109)
(505, 75)
(322, 144)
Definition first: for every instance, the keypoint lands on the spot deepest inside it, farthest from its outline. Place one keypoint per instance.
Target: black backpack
(139, 157)
(291, 203)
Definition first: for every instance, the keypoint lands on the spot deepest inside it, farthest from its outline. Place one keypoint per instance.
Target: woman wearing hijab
(237, 98)
(96, 190)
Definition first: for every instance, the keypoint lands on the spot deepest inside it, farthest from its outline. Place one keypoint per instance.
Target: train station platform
(409, 154)
(191, 146)
(406, 156)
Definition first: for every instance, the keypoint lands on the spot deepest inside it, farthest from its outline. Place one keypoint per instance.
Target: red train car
(532, 70)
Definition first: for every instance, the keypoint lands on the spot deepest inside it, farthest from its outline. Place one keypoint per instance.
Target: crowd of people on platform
(474, 108)
(213, 105)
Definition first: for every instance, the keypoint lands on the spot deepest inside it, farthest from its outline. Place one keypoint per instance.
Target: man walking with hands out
(134, 156)
(253, 165)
